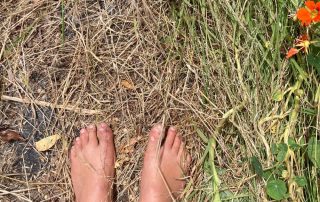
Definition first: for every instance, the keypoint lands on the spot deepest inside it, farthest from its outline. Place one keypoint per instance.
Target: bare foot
(92, 164)
(173, 162)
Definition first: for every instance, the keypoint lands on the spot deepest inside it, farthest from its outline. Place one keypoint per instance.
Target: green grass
(242, 44)
(215, 73)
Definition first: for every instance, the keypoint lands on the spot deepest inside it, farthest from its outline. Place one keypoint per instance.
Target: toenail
(158, 127)
(102, 128)
(173, 129)
(91, 126)
(103, 125)
(82, 130)
(77, 139)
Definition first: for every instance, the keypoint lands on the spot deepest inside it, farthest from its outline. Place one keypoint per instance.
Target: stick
(48, 104)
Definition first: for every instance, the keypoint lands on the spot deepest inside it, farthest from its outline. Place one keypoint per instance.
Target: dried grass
(49, 72)
(104, 44)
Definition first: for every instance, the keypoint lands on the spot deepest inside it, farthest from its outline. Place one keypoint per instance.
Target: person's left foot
(92, 164)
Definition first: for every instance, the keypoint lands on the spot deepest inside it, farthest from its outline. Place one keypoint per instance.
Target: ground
(202, 67)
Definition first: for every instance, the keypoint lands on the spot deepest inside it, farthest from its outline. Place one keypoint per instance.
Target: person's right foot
(164, 167)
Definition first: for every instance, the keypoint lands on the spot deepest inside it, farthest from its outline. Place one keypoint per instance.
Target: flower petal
(311, 5)
(304, 37)
(292, 52)
(304, 16)
(318, 6)
(317, 18)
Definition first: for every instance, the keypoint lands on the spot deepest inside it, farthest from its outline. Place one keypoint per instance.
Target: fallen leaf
(126, 151)
(129, 148)
(46, 143)
(127, 84)
(9, 135)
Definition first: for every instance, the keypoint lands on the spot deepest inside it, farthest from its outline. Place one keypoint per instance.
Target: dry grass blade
(208, 66)
(47, 104)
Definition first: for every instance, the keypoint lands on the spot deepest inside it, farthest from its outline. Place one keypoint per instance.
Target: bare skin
(92, 164)
(93, 159)
(163, 167)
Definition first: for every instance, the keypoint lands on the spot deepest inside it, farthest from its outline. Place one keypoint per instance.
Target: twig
(48, 104)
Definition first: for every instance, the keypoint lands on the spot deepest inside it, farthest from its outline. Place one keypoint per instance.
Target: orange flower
(302, 43)
(309, 14)
(292, 52)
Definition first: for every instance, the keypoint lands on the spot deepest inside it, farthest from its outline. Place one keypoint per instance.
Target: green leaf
(283, 149)
(278, 170)
(277, 189)
(278, 95)
(314, 61)
(292, 144)
(274, 148)
(268, 175)
(301, 181)
(257, 166)
(299, 70)
(314, 151)
(316, 43)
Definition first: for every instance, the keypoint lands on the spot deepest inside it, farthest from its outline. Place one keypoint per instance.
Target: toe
(181, 151)
(78, 141)
(176, 144)
(186, 167)
(153, 143)
(92, 130)
(172, 132)
(184, 158)
(73, 153)
(105, 135)
(84, 136)
(189, 159)
(77, 144)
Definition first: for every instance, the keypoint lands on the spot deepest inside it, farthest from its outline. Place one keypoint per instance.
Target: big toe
(73, 154)
(171, 135)
(184, 158)
(92, 135)
(154, 141)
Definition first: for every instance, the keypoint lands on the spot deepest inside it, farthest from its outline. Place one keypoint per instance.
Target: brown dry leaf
(127, 84)
(9, 135)
(129, 148)
(126, 151)
(46, 143)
